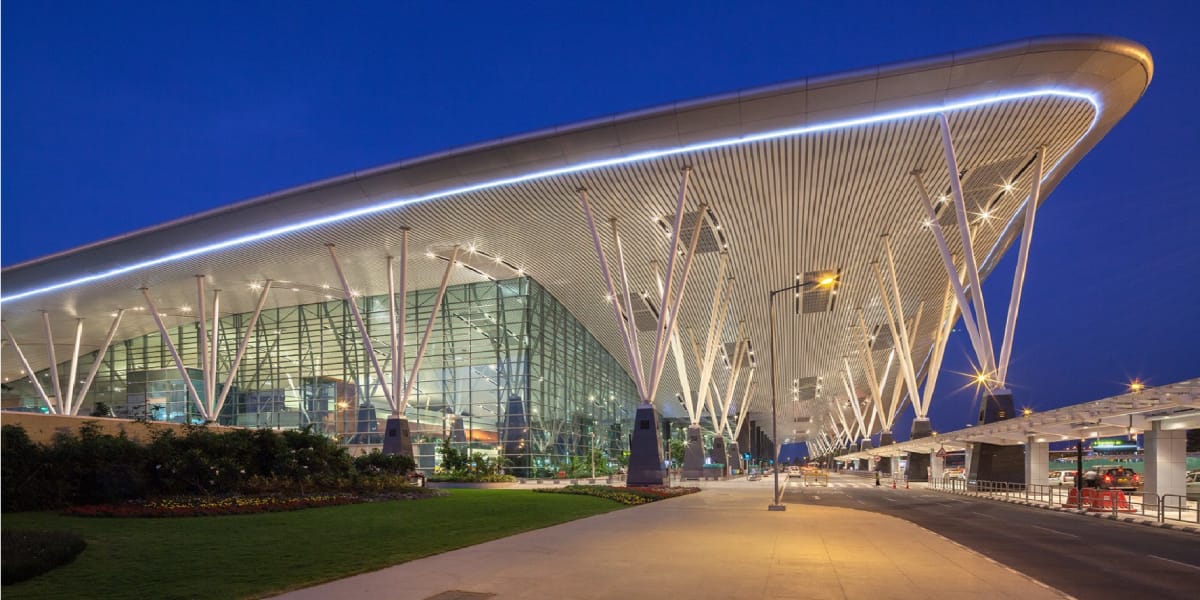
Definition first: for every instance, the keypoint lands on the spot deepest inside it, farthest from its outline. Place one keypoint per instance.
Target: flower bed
(630, 496)
(205, 507)
(470, 478)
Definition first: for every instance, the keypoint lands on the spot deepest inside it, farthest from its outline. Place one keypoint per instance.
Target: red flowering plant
(631, 496)
(214, 506)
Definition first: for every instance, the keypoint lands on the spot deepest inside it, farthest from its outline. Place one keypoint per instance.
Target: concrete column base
(885, 463)
(990, 462)
(918, 463)
(719, 455)
(645, 450)
(863, 463)
(397, 437)
(693, 456)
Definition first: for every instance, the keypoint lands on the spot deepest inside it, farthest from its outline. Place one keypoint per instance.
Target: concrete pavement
(720, 543)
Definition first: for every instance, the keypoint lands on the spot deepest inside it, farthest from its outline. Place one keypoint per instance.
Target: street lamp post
(825, 281)
(592, 455)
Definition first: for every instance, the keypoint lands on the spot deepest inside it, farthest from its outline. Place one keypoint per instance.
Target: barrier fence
(1168, 507)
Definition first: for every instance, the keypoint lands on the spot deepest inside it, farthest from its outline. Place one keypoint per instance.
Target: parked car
(1117, 478)
(1193, 485)
(1062, 478)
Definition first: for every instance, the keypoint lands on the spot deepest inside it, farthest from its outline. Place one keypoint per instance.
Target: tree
(678, 450)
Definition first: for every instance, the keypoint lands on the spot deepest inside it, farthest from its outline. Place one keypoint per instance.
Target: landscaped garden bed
(209, 507)
(631, 496)
(463, 470)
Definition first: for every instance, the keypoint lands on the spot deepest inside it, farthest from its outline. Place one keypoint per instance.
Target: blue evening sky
(120, 115)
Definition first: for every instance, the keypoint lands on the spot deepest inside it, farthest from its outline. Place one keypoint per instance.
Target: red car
(1117, 478)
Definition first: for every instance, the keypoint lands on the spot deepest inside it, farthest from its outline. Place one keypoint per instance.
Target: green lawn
(257, 555)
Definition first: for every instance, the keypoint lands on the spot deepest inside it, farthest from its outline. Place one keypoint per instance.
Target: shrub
(94, 468)
(23, 484)
(376, 463)
(460, 466)
(27, 554)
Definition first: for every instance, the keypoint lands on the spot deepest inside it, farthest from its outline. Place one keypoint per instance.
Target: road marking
(987, 515)
(889, 499)
(1182, 564)
(1059, 532)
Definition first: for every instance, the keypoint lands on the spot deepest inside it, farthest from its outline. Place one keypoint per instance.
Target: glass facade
(508, 372)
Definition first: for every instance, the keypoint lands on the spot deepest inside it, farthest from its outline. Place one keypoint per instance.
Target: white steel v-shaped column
(673, 289)
(28, 370)
(100, 354)
(993, 372)
(369, 348)
(166, 339)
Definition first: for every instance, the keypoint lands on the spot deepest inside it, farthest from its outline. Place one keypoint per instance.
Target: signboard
(941, 453)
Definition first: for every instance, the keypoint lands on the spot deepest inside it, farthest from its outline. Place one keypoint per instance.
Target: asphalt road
(1085, 557)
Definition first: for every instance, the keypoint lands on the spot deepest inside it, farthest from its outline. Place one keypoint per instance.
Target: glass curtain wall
(508, 373)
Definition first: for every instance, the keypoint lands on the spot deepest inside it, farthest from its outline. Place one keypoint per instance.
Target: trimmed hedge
(95, 468)
(27, 554)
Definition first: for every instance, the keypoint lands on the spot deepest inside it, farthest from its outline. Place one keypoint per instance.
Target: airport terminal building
(523, 297)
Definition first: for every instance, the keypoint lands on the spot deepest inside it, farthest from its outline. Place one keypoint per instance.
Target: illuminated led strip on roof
(586, 166)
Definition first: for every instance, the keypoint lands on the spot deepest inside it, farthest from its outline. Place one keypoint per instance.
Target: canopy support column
(433, 314)
(87, 382)
(69, 407)
(241, 350)
(624, 318)
(54, 379)
(166, 338)
(352, 303)
(37, 385)
(960, 211)
(1014, 302)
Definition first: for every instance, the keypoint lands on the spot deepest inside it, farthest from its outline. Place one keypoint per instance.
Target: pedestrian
(876, 478)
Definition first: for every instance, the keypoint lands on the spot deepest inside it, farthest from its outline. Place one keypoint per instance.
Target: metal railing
(1168, 507)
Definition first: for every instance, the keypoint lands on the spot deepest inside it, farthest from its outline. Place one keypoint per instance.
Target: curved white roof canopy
(803, 176)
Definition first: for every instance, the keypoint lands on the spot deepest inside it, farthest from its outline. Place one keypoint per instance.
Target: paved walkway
(720, 543)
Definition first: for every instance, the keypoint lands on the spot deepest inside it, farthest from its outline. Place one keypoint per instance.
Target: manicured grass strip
(256, 555)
